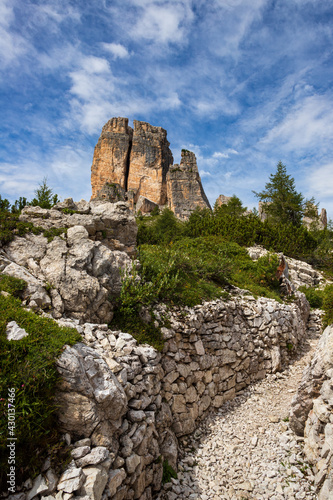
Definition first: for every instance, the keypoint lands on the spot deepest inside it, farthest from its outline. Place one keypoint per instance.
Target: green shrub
(10, 226)
(313, 296)
(11, 285)
(292, 241)
(28, 366)
(328, 305)
(159, 228)
(168, 472)
(54, 231)
(142, 332)
(187, 272)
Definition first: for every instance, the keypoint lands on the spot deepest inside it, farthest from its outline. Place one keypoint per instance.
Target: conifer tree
(282, 203)
(44, 196)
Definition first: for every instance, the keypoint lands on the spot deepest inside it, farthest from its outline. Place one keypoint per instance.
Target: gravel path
(246, 450)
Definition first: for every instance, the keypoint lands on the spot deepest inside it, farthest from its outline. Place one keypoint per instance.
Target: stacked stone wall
(125, 405)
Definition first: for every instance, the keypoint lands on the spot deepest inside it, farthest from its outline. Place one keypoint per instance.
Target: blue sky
(242, 83)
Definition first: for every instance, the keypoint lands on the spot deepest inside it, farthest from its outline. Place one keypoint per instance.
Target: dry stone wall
(311, 414)
(124, 405)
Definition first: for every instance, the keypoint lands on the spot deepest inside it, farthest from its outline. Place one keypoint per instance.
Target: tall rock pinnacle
(111, 155)
(185, 191)
(137, 165)
(149, 163)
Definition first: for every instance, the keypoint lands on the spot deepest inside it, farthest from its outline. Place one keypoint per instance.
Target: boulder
(14, 332)
(145, 206)
(88, 394)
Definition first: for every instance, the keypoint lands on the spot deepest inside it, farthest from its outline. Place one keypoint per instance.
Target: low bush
(168, 472)
(11, 226)
(328, 305)
(28, 367)
(188, 272)
(313, 296)
(292, 241)
(159, 228)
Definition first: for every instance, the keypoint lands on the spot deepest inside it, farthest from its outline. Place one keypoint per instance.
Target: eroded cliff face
(185, 191)
(149, 163)
(111, 156)
(137, 166)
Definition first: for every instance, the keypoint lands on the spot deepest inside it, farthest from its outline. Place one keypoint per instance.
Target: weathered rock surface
(74, 274)
(319, 221)
(90, 394)
(311, 414)
(298, 272)
(145, 206)
(222, 200)
(111, 223)
(111, 157)
(14, 332)
(185, 191)
(149, 162)
(137, 166)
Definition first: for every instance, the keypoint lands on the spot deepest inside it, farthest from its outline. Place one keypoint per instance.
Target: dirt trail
(246, 450)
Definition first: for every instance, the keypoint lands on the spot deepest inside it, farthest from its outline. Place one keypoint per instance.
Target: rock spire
(137, 165)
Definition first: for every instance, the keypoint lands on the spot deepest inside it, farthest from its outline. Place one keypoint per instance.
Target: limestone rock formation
(311, 414)
(136, 165)
(185, 191)
(76, 273)
(222, 200)
(149, 163)
(111, 223)
(323, 217)
(89, 384)
(111, 156)
(311, 386)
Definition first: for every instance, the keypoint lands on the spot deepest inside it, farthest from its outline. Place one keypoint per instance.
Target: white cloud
(12, 45)
(163, 22)
(308, 124)
(226, 154)
(320, 179)
(204, 173)
(116, 49)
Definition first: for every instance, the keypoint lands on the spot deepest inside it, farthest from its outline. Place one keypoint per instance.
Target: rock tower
(137, 165)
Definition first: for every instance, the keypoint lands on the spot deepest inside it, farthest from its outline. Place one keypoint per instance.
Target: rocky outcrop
(150, 160)
(316, 221)
(110, 223)
(137, 165)
(111, 157)
(185, 191)
(73, 274)
(311, 414)
(222, 200)
(323, 218)
(298, 272)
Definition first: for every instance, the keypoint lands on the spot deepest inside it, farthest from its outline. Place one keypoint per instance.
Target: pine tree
(282, 203)
(44, 196)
